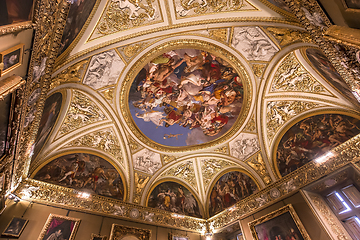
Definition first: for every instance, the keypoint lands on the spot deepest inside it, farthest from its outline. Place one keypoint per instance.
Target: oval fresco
(174, 197)
(49, 116)
(312, 137)
(84, 172)
(185, 97)
(321, 63)
(229, 189)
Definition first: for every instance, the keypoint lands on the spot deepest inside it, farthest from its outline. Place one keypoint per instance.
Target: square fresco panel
(84, 172)
(185, 97)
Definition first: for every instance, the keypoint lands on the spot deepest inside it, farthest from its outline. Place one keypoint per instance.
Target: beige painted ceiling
(270, 109)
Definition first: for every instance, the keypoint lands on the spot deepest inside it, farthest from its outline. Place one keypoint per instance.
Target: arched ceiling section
(261, 41)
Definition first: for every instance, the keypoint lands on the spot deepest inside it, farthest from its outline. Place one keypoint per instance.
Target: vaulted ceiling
(274, 58)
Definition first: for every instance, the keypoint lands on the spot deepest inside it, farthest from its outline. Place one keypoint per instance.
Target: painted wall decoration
(186, 97)
(15, 11)
(174, 197)
(50, 114)
(5, 105)
(84, 172)
(78, 14)
(229, 189)
(321, 63)
(312, 137)
(104, 69)
(253, 44)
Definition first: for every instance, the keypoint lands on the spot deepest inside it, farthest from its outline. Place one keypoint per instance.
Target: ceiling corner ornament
(244, 145)
(131, 50)
(192, 8)
(198, 45)
(291, 76)
(73, 74)
(140, 182)
(251, 125)
(258, 164)
(82, 112)
(223, 150)
(220, 34)
(134, 145)
(258, 69)
(211, 167)
(184, 171)
(287, 36)
(108, 93)
(121, 15)
(168, 158)
(278, 113)
(104, 140)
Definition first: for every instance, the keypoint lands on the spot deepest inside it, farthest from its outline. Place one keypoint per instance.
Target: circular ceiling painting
(186, 97)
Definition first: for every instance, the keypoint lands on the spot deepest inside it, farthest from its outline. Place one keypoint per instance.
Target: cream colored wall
(308, 219)
(37, 215)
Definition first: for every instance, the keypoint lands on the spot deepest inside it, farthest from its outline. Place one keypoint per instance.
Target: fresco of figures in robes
(174, 197)
(229, 189)
(186, 97)
(313, 137)
(84, 172)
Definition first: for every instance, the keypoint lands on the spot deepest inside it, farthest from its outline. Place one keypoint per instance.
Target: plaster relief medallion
(104, 69)
(313, 137)
(83, 172)
(34, 96)
(174, 197)
(253, 44)
(186, 97)
(275, 193)
(134, 213)
(244, 146)
(147, 161)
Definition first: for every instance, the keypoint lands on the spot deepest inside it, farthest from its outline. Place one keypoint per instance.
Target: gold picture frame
(283, 222)
(97, 237)
(63, 226)
(11, 59)
(174, 236)
(15, 227)
(119, 231)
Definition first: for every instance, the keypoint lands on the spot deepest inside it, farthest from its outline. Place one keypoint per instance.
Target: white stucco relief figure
(244, 146)
(134, 6)
(104, 69)
(314, 18)
(253, 44)
(147, 161)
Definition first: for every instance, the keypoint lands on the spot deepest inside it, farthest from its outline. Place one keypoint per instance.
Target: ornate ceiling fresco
(186, 106)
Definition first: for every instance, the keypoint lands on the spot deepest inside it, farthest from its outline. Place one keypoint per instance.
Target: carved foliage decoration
(183, 171)
(210, 168)
(104, 140)
(287, 36)
(82, 112)
(291, 76)
(121, 15)
(258, 164)
(140, 182)
(119, 232)
(279, 112)
(131, 50)
(188, 8)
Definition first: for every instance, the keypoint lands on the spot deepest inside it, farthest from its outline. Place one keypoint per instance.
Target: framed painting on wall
(280, 224)
(97, 237)
(11, 59)
(15, 227)
(59, 227)
(175, 236)
(128, 233)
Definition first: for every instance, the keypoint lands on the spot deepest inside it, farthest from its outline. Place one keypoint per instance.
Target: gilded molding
(167, 158)
(122, 15)
(291, 76)
(194, 8)
(258, 69)
(278, 113)
(119, 231)
(74, 73)
(134, 145)
(82, 112)
(15, 28)
(220, 34)
(287, 36)
(104, 140)
(251, 125)
(140, 182)
(131, 50)
(108, 93)
(184, 171)
(257, 163)
(188, 43)
(223, 150)
(65, 197)
(9, 85)
(211, 167)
